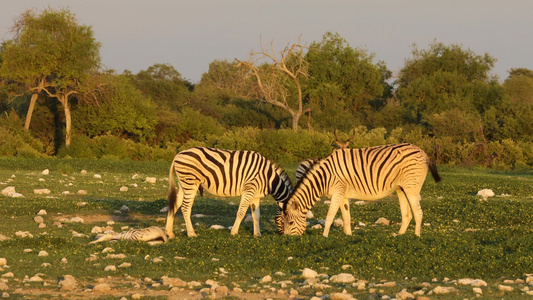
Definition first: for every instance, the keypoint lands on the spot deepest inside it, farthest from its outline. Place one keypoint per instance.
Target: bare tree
(279, 78)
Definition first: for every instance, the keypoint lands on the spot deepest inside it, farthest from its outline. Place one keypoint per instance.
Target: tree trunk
(295, 119)
(30, 111)
(68, 120)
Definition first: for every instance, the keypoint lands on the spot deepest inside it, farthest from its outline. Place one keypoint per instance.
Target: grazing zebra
(366, 174)
(224, 173)
(305, 166)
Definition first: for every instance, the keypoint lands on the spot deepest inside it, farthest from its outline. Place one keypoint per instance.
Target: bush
(15, 141)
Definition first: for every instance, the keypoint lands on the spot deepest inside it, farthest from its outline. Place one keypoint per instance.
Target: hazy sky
(191, 34)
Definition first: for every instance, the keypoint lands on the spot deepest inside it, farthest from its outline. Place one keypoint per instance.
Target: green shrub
(15, 141)
(240, 138)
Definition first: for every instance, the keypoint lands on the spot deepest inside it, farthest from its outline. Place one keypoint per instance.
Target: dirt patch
(103, 218)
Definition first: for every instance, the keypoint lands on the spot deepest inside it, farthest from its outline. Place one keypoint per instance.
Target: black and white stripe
(365, 174)
(224, 173)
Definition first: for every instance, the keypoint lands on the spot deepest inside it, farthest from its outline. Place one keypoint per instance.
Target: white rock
(101, 288)
(83, 172)
(124, 265)
(135, 176)
(8, 275)
(23, 234)
(108, 249)
(110, 268)
(38, 219)
(41, 191)
(308, 273)
(125, 208)
(266, 279)
(310, 215)
(43, 253)
(3, 237)
(151, 180)
(485, 193)
(68, 283)
(346, 267)
(97, 229)
(76, 220)
(441, 290)
(383, 221)
(82, 192)
(157, 260)
(217, 227)
(471, 282)
(8, 191)
(342, 278)
(35, 278)
(505, 288)
(123, 189)
(3, 261)
(316, 226)
(42, 225)
(164, 209)
(42, 212)
(338, 222)
(477, 291)
(404, 294)
(64, 260)
(45, 172)
(97, 176)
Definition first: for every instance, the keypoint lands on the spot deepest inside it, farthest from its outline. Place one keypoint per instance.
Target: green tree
(50, 52)
(342, 80)
(122, 111)
(519, 86)
(164, 84)
(443, 77)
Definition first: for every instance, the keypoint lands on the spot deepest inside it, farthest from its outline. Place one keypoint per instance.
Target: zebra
(153, 235)
(366, 174)
(225, 173)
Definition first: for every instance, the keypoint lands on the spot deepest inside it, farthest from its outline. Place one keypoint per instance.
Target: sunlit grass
(463, 236)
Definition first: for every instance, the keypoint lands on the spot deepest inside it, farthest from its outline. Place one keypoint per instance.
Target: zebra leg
(345, 210)
(172, 213)
(186, 210)
(255, 216)
(407, 216)
(246, 198)
(332, 211)
(414, 201)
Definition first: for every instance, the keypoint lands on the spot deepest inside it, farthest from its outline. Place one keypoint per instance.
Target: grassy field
(462, 237)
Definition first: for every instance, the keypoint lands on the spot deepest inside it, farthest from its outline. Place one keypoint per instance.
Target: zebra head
(293, 218)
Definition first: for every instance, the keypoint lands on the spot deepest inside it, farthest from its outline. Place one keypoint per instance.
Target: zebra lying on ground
(366, 174)
(224, 173)
(153, 235)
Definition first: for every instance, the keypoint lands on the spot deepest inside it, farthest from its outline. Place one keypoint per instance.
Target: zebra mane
(306, 174)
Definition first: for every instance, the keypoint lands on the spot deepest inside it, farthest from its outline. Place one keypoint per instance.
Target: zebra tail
(171, 189)
(433, 168)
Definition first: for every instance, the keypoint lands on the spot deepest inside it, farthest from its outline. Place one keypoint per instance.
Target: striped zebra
(224, 173)
(366, 174)
(153, 235)
(305, 166)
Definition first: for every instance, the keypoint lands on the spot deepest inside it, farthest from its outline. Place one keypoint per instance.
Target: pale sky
(190, 34)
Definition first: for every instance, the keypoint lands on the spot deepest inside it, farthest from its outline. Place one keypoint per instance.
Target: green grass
(463, 236)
